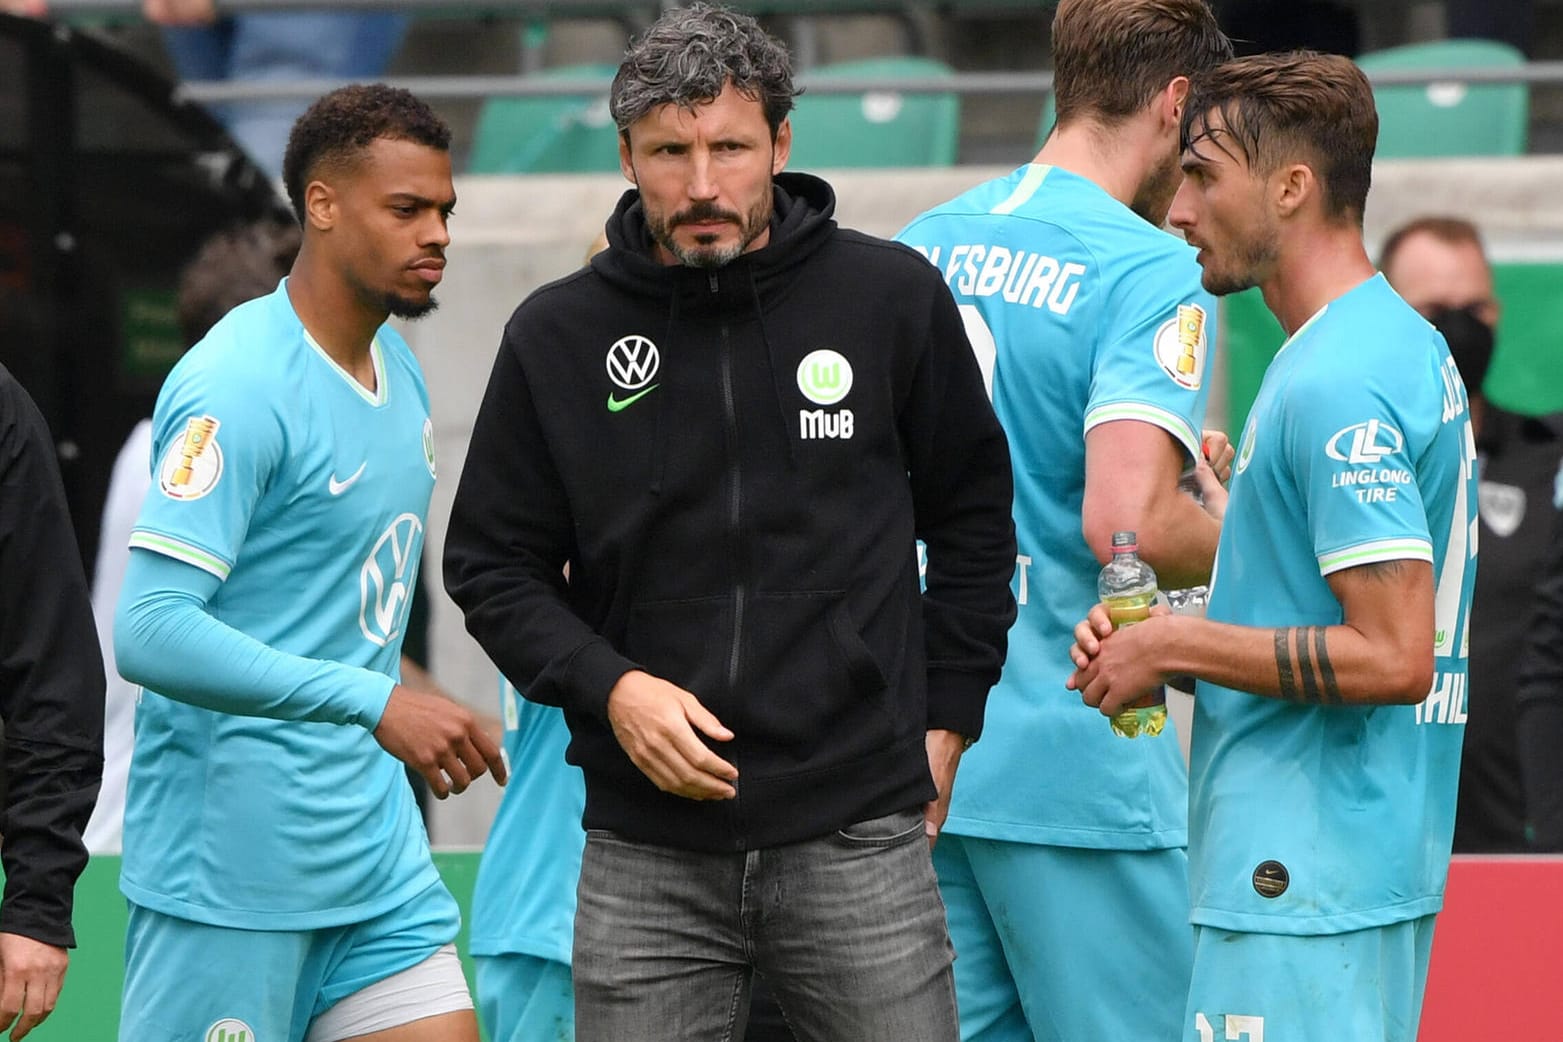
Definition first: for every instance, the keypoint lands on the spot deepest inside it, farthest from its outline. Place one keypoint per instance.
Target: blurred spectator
(1438, 265)
(1541, 695)
(272, 47)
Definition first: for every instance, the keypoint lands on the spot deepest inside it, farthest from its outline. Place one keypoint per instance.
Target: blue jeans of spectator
(288, 45)
(848, 930)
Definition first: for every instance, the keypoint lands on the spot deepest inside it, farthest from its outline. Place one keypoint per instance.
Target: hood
(802, 222)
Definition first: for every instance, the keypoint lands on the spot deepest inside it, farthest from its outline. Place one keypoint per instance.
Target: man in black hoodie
(734, 425)
(51, 702)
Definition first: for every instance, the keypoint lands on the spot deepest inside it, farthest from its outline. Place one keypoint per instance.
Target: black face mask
(1470, 342)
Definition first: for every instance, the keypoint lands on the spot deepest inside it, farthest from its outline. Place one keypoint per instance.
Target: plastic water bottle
(1127, 587)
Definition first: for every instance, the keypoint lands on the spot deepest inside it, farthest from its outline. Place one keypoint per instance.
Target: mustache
(704, 211)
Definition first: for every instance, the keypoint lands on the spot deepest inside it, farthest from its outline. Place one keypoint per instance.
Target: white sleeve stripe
(179, 551)
(1167, 420)
(1375, 551)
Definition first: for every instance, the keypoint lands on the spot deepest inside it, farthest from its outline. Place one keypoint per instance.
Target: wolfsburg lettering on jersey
(1021, 277)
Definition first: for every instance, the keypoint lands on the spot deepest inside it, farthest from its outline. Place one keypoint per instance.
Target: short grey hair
(690, 54)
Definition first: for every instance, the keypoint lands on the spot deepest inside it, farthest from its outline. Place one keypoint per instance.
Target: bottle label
(1128, 614)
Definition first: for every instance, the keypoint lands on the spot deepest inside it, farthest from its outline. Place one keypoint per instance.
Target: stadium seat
(560, 134)
(876, 128)
(1449, 117)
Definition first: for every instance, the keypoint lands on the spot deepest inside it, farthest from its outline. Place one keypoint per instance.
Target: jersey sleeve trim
(1167, 420)
(181, 551)
(1374, 551)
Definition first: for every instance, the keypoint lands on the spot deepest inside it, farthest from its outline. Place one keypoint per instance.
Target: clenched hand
(440, 739)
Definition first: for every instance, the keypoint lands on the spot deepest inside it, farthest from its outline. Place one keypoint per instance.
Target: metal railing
(1549, 73)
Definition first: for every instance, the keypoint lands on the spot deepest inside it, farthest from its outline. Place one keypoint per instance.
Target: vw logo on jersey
(633, 361)
(386, 578)
(1366, 442)
(824, 377)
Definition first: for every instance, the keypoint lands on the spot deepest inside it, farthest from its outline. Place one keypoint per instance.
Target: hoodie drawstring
(777, 373)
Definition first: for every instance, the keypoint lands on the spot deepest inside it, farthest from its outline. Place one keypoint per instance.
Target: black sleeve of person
(51, 682)
(1540, 696)
(963, 493)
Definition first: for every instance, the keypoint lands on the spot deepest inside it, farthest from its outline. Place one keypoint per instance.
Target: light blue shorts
(192, 982)
(1061, 944)
(1365, 986)
(522, 998)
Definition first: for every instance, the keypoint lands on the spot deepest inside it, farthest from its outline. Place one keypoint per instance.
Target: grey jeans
(848, 931)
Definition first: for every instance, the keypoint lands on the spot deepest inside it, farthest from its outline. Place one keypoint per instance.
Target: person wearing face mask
(1439, 266)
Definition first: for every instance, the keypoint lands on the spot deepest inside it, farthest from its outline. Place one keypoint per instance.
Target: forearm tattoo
(1302, 662)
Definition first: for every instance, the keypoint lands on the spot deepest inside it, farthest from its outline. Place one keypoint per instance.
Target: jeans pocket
(890, 830)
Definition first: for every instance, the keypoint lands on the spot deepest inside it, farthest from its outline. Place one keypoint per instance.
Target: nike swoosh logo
(618, 405)
(339, 487)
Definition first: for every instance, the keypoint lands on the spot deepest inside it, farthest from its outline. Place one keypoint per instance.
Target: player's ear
(320, 205)
(1170, 101)
(626, 166)
(1292, 186)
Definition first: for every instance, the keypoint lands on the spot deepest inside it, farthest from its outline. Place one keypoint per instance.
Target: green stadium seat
(1449, 117)
(876, 128)
(1527, 368)
(560, 134)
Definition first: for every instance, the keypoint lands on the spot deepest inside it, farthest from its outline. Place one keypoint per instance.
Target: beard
(707, 253)
(404, 307)
(1251, 259)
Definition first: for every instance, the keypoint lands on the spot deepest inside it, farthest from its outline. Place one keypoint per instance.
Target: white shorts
(434, 986)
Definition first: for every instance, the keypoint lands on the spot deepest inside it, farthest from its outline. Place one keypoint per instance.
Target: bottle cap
(1123, 542)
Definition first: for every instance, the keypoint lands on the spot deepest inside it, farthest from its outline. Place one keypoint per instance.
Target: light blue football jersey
(1081, 313)
(524, 901)
(306, 494)
(1310, 819)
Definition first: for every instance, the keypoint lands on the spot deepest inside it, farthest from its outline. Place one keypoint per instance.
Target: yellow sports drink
(1127, 588)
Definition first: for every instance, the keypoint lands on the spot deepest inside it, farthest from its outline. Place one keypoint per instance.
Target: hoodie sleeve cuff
(956, 702)
(592, 672)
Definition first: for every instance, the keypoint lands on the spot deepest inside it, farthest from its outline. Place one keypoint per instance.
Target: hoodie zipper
(734, 522)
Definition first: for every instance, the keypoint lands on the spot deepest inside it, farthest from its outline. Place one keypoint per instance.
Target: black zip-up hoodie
(739, 514)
